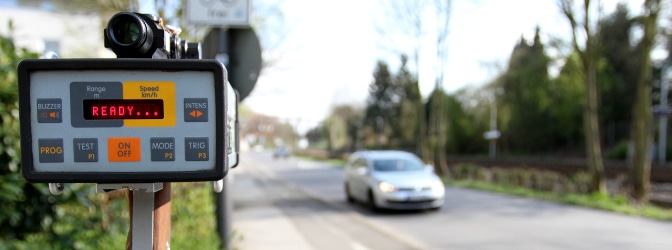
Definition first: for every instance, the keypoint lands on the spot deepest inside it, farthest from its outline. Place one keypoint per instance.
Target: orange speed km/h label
(123, 149)
(148, 90)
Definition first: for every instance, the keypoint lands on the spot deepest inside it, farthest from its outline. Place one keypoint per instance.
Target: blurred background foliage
(538, 113)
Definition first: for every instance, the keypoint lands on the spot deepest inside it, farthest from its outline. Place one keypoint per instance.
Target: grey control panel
(123, 120)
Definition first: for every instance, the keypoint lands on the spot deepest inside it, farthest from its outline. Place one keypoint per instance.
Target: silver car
(392, 179)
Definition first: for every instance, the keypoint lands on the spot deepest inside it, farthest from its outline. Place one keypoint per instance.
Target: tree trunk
(437, 134)
(422, 142)
(442, 126)
(642, 114)
(641, 139)
(592, 132)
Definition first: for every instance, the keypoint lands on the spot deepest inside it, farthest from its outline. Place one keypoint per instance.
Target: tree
(642, 113)
(567, 93)
(411, 127)
(343, 127)
(618, 74)
(437, 117)
(419, 18)
(588, 54)
(526, 93)
(382, 108)
(437, 130)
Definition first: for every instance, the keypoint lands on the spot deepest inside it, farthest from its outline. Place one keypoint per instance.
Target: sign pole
(150, 214)
(223, 206)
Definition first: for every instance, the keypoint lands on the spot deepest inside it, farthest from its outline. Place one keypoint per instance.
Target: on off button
(123, 149)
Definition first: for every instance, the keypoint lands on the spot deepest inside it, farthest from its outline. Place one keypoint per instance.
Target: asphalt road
(309, 195)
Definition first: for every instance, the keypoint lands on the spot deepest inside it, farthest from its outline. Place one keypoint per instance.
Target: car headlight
(386, 187)
(438, 185)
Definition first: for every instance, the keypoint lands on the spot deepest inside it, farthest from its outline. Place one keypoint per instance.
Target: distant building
(69, 35)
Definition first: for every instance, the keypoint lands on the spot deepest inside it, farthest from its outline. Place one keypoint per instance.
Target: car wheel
(371, 202)
(348, 195)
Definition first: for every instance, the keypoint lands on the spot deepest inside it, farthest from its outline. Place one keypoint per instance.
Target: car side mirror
(429, 168)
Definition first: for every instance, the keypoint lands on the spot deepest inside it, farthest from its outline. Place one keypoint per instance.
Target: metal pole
(143, 210)
(662, 133)
(142, 223)
(379, 129)
(493, 125)
(223, 205)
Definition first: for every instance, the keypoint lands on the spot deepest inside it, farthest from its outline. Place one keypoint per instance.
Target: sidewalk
(256, 223)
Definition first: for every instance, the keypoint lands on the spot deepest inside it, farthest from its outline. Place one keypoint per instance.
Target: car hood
(406, 178)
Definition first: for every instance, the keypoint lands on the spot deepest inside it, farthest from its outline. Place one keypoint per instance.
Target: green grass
(618, 204)
(333, 162)
(193, 220)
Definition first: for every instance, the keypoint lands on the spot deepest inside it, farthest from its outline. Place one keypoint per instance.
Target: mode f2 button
(123, 149)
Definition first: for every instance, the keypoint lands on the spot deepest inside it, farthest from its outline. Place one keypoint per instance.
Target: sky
(332, 47)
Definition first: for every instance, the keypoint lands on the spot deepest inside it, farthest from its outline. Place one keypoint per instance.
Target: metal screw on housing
(56, 188)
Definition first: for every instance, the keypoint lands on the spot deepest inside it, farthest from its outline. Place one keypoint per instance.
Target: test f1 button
(86, 149)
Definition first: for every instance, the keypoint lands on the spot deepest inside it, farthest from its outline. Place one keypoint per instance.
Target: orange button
(123, 149)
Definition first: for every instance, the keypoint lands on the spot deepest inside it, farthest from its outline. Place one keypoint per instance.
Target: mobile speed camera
(143, 117)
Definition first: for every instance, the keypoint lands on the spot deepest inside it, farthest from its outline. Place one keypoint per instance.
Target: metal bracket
(56, 188)
(142, 230)
(218, 185)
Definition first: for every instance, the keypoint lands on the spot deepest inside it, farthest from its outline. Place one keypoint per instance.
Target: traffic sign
(231, 13)
(239, 50)
(492, 135)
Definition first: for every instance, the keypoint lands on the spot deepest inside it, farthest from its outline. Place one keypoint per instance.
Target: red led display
(106, 109)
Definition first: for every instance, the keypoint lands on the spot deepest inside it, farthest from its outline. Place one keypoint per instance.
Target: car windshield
(389, 165)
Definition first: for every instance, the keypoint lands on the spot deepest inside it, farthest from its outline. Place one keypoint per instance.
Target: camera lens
(127, 29)
(134, 35)
(127, 33)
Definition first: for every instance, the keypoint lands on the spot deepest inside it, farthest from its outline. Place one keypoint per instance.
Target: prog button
(51, 150)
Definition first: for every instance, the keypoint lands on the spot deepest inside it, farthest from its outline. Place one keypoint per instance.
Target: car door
(359, 178)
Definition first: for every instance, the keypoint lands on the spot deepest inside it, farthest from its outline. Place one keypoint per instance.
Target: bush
(542, 180)
(618, 152)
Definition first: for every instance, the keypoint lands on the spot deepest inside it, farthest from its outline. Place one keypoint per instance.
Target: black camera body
(136, 35)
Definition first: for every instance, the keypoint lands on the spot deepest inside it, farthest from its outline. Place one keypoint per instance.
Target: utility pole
(493, 134)
(662, 123)
(493, 126)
